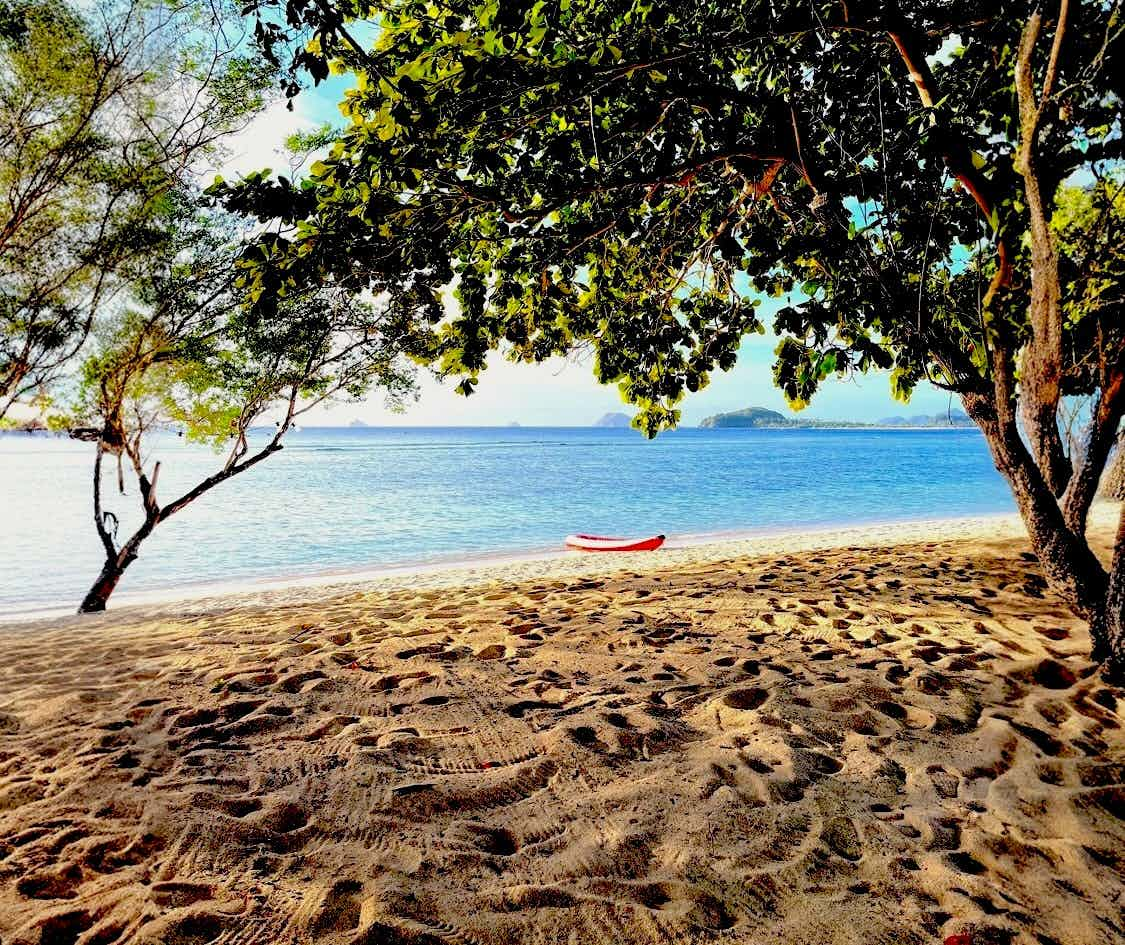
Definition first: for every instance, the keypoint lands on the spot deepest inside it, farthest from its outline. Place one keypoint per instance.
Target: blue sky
(559, 393)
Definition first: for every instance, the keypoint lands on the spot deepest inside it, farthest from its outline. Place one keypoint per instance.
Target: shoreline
(532, 564)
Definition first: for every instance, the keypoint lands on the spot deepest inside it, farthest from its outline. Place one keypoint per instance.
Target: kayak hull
(602, 543)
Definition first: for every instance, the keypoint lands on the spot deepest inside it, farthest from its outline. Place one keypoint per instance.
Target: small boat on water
(601, 543)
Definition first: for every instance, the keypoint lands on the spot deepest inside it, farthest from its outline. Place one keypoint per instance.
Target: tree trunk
(117, 561)
(96, 598)
(1042, 361)
(1111, 621)
(114, 567)
(1068, 562)
(1113, 482)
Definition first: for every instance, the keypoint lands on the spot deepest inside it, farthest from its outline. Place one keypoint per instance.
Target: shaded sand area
(890, 744)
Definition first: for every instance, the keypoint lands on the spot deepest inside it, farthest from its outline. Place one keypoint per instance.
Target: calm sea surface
(336, 499)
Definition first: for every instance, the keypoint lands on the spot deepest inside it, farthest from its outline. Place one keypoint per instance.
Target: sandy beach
(883, 734)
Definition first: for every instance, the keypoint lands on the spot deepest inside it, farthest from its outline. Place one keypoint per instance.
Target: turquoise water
(337, 499)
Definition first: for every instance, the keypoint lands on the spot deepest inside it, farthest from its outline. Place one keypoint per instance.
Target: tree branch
(956, 152)
(1041, 364)
(1100, 437)
(99, 518)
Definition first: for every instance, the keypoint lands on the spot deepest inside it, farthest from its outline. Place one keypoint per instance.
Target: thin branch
(99, 516)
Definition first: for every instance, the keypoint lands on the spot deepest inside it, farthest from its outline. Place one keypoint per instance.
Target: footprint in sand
(190, 926)
(492, 841)
(57, 884)
(336, 908)
(965, 862)
(180, 894)
(945, 782)
(297, 682)
(842, 837)
(61, 928)
(944, 834)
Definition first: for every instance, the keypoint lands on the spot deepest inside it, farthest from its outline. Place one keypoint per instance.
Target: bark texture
(1113, 630)
(1113, 482)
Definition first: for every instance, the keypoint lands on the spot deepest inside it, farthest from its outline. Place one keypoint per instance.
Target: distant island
(358, 424)
(616, 420)
(764, 418)
(748, 417)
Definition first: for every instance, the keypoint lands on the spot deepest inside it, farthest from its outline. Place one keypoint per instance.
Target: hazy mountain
(950, 418)
(614, 420)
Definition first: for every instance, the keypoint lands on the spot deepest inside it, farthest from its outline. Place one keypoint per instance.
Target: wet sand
(847, 740)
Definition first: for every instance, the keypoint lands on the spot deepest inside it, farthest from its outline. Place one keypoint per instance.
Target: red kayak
(601, 543)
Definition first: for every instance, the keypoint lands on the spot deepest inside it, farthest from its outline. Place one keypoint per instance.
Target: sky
(565, 394)
(557, 393)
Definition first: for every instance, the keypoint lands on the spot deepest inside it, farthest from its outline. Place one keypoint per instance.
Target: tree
(183, 354)
(104, 110)
(633, 175)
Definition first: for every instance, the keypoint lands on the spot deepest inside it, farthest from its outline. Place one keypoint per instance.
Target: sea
(343, 500)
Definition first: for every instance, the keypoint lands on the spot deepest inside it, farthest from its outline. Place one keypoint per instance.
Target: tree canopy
(634, 176)
(104, 112)
(921, 187)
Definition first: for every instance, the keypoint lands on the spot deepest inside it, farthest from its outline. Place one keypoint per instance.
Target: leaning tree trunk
(118, 559)
(96, 598)
(1070, 565)
(114, 567)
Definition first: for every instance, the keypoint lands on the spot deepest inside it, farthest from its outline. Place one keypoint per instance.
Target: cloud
(261, 144)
